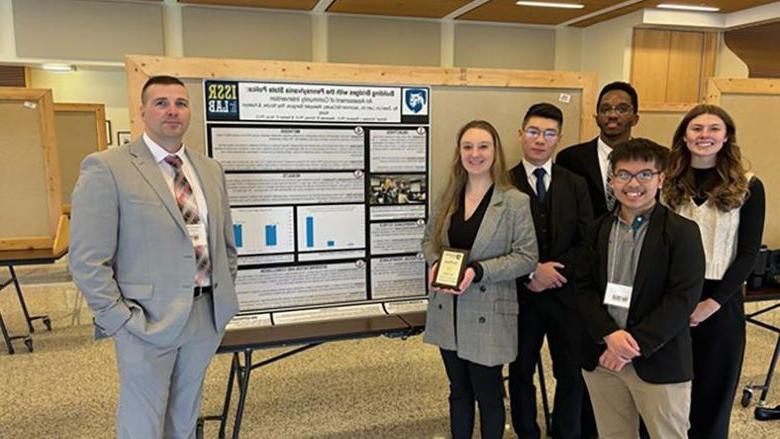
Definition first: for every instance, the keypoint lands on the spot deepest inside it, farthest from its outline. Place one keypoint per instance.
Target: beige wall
(728, 64)
(504, 47)
(606, 48)
(568, 49)
(86, 30)
(364, 40)
(253, 34)
(108, 87)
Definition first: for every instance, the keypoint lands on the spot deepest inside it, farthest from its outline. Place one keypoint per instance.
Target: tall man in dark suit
(616, 114)
(152, 251)
(561, 211)
(645, 280)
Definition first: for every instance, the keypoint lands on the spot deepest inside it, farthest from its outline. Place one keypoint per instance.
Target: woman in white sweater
(707, 182)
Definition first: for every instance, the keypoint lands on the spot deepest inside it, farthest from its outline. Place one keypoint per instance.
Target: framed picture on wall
(122, 137)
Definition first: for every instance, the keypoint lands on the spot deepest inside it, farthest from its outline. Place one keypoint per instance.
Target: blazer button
(440, 306)
(483, 288)
(481, 320)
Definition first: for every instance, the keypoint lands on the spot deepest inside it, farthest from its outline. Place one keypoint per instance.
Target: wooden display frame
(756, 145)
(57, 238)
(140, 68)
(100, 130)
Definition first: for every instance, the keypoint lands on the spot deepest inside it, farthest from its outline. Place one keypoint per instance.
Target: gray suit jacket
(130, 253)
(505, 247)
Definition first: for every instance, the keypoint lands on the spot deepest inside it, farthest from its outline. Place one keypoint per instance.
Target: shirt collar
(529, 168)
(158, 152)
(603, 148)
(639, 220)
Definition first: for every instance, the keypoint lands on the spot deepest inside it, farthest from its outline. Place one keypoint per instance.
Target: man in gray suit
(152, 251)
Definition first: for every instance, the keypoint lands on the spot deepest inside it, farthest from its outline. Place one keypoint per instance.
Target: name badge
(618, 295)
(197, 234)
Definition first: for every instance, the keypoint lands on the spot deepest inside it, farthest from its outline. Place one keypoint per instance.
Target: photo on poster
(389, 189)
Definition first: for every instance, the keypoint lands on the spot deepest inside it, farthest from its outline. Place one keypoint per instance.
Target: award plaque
(452, 266)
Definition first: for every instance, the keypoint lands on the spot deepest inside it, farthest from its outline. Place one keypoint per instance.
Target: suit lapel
(647, 256)
(489, 224)
(602, 243)
(593, 168)
(521, 180)
(209, 189)
(554, 194)
(150, 171)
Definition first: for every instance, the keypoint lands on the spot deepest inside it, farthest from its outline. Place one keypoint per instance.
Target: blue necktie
(540, 189)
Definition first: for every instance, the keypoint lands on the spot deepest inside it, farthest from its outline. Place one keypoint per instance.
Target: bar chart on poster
(328, 187)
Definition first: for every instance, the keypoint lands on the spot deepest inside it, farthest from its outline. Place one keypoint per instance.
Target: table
(11, 258)
(301, 336)
(763, 294)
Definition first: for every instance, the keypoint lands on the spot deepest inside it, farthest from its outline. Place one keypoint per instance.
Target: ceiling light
(689, 7)
(550, 4)
(59, 67)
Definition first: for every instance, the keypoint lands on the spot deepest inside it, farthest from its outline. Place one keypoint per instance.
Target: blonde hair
(450, 197)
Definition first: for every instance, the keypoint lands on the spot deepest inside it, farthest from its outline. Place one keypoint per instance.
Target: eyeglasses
(621, 109)
(533, 133)
(643, 175)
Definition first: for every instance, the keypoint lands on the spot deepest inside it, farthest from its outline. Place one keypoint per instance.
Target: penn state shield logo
(415, 102)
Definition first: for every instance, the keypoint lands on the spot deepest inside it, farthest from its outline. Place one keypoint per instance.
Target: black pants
(470, 382)
(540, 315)
(718, 351)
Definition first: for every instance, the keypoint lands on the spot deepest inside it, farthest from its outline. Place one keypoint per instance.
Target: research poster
(328, 187)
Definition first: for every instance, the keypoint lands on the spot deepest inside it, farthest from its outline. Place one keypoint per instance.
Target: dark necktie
(609, 194)
(541, 191)
(189, 211)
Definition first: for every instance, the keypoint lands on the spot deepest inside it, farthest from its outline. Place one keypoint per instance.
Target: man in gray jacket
(152, 251)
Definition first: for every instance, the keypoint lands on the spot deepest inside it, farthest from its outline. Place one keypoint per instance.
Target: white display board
(328, 186)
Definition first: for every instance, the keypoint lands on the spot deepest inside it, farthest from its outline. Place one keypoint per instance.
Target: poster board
(81, 130)
(754, 104)
(459, 94)
(31, 211)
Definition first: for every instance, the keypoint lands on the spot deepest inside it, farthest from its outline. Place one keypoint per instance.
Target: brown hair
(730, 187)
(450, 197)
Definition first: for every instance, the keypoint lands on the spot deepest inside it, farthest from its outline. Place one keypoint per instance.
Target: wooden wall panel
(685, 62)
(650, 63)
(672, 66)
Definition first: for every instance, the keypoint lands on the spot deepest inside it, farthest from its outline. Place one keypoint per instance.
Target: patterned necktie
(609, 194)
(189, 211)
(541, 191)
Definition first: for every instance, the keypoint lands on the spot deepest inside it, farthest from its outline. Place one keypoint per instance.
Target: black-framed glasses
(621, 109)
(643, 175)
(533, 133)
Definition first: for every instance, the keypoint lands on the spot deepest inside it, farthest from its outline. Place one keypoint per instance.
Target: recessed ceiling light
(59, 67)
(550, 4)
(689, 7)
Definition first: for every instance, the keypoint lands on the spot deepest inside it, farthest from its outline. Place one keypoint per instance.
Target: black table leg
(243, 374)
(44, 318)
(228, 395)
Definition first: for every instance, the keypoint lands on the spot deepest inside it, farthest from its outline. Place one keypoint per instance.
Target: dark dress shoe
(767, 413)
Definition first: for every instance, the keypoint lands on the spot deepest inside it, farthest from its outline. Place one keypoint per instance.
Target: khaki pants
(619, 398)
